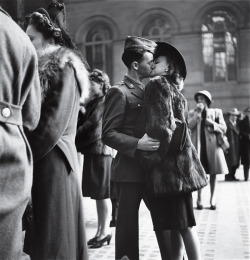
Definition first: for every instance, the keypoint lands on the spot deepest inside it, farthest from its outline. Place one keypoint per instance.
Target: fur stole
(53, 61)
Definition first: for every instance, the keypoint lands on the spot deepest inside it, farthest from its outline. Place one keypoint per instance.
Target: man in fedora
(122, 111)
(233, 136)
(245, 142)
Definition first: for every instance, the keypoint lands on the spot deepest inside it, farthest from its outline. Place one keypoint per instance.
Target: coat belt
(10, 114)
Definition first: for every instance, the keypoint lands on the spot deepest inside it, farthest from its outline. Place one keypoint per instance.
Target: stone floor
(224, 233)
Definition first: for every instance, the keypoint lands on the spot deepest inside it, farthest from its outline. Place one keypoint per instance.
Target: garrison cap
(136, 43)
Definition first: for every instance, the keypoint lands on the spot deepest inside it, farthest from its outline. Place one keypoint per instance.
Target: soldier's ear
(135, 65)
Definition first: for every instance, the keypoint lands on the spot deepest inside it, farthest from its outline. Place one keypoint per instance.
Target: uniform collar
(136, 87)
(131, 82)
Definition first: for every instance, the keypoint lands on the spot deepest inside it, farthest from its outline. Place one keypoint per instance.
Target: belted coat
(56, 195)
(216, 158)
(20, 102)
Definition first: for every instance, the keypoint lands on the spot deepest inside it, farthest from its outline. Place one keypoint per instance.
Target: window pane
(157, 28)
(219, 46)
(97, 40)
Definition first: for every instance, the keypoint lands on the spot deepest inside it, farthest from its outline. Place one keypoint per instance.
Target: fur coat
(169, 167)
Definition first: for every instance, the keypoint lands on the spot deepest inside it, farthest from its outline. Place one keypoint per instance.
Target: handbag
(222, 141)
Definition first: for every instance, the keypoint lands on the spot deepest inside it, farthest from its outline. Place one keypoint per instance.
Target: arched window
(219, 44)
(98, 48)
(157, 28)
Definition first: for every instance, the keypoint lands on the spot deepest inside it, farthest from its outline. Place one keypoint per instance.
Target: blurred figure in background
(205, 123)
(245, 142)
(59, 231)
(97, 156)
(20, 103)
(233, 153)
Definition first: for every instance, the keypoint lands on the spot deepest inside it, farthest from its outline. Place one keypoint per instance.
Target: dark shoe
(213, 207)
(91, 241)
(199, 206)
(99, 243)
(112, 223)
(234, 179)
(228, 178)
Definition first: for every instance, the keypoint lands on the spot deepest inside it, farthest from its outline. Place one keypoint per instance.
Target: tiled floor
(224, 233)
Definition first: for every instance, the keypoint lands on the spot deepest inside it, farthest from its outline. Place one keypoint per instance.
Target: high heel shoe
(91, 241)
(199, 206)
(99, 243)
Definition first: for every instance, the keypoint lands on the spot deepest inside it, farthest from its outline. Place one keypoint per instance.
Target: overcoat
(89, 129)
(59, 231)
(216, 158)
(245, 140)
(20, 102)
(233, 136)
(123, 107)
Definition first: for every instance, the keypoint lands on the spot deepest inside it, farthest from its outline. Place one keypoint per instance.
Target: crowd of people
(66, 134)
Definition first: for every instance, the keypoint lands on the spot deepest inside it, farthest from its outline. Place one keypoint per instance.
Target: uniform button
(139, 105)
(131, 85)
(6, 112)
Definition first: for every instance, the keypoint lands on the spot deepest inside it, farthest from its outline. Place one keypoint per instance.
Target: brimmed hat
(168, 50)
(204, 93)
(234, 111)
(247, 109)
(136, 43)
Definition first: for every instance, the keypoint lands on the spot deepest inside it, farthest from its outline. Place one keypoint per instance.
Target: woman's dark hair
(44, 25)
(130, 56)
(100, 77)
(173, 72)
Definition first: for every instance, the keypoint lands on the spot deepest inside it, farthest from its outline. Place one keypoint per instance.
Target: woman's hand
(147, 143)
(199, 107)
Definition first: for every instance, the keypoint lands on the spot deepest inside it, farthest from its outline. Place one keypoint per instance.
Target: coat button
(139, 105)
(6, 112)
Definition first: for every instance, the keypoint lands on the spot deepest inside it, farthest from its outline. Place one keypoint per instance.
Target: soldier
(122, 110)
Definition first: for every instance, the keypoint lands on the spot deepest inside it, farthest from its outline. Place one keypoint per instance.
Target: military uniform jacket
(122, 110)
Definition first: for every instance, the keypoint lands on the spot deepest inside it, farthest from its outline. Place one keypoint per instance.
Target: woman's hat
(205, 93)
(168, 50)
(234, 111)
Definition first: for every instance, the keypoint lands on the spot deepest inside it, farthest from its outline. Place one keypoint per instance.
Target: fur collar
(55, 58)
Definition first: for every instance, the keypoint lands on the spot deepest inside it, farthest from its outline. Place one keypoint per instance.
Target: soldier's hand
(147, 143)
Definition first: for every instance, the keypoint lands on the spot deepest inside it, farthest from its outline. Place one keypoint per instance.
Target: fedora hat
(136, 43)
(205, 93)
(168, 50)
(234, 111)
(247, 109)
